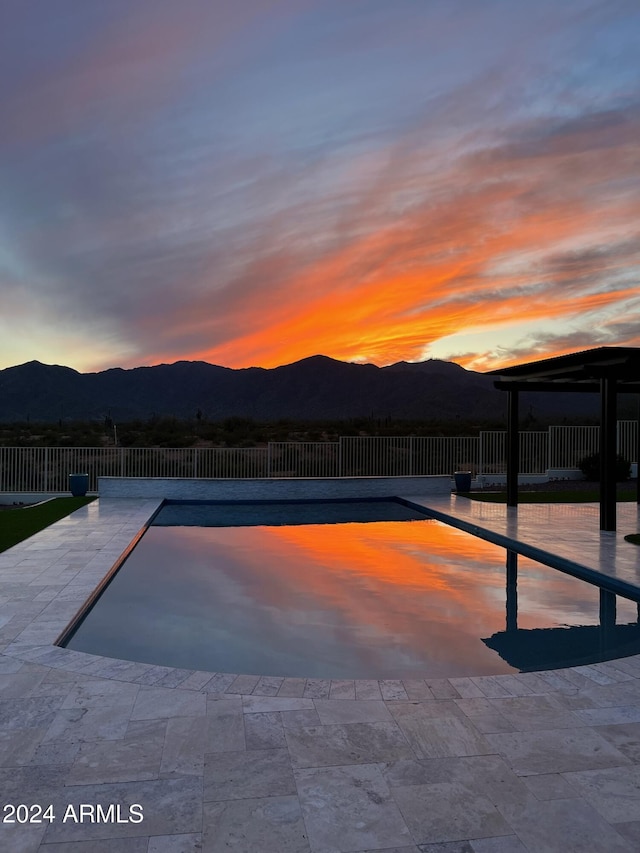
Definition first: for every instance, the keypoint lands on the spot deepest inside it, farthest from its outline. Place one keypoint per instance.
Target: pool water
(280, 594)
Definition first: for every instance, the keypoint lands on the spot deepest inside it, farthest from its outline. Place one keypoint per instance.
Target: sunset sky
(250, 182)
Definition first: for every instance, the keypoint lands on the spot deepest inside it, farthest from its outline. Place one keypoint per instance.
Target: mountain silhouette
(311, 389)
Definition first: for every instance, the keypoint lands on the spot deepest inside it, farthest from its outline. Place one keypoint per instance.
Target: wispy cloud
(253, 184)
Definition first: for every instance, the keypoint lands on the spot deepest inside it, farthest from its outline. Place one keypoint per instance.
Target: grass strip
(564, 497)
(22, 522)
(634, 538)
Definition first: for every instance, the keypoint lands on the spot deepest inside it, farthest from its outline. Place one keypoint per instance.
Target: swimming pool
(339, 589)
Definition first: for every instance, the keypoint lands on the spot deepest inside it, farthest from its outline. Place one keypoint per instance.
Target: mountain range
(311, 389)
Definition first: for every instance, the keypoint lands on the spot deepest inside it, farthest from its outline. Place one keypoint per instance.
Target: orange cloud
(501, 237)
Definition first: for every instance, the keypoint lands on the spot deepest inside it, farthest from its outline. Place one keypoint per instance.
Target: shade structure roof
(578, 371)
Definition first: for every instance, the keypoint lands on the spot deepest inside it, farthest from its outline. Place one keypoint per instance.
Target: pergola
(604, 370)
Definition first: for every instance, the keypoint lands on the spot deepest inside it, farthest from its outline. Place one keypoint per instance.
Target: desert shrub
(590, 467)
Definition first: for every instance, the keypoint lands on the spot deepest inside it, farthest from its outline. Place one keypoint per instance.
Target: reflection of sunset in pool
(375, 600)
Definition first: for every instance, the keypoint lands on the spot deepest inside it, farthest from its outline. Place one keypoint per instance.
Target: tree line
(159, 431)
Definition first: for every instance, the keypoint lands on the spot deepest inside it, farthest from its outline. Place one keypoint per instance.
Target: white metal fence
(568, 445)
(46, 469)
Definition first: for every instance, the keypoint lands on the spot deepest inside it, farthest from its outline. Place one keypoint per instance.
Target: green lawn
(20, 523)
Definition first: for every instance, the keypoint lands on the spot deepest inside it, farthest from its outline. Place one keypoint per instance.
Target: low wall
(530, 479)
(483, 480)
(286, 488)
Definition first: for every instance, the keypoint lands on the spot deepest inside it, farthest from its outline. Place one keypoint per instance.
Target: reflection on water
(378, 600)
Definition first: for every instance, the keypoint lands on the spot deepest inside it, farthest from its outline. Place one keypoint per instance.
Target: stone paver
(350, 808)
(545, 761)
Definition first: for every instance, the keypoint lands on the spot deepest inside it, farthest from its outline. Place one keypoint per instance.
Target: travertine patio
(539, 762)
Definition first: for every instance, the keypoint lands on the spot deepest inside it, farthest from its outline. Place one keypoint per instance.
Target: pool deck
(536, 762)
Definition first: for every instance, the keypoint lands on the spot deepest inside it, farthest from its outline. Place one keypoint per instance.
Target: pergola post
(608, 453)
(513, 448)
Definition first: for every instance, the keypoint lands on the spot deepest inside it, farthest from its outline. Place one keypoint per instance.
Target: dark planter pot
(79, 484)
(463, 481)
